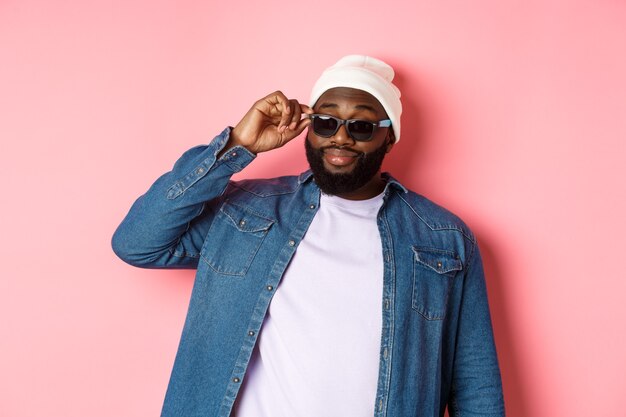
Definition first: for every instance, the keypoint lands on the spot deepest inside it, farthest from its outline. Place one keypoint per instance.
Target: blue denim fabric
(437, 345)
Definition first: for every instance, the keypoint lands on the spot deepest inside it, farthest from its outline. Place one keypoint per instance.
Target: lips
(339, 157)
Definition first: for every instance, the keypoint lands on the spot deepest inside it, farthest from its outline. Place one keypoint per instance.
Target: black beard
(367, 166)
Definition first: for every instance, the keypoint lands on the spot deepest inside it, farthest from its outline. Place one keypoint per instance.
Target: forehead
(350, 98)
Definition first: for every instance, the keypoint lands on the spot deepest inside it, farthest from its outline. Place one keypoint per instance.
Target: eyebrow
(357, 107)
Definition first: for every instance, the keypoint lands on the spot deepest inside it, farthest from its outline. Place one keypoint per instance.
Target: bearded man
(338, 292)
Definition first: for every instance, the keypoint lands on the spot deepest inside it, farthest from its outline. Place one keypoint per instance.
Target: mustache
(324, 149)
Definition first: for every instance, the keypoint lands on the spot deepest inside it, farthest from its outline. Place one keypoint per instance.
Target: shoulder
(416, 208)
(266, 187)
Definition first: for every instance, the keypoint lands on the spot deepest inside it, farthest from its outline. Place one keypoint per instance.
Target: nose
(341, 137)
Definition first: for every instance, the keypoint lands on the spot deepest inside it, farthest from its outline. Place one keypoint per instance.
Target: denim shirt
(437, 345)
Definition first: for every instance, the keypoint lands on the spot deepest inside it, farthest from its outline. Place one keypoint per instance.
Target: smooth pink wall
(515, 118)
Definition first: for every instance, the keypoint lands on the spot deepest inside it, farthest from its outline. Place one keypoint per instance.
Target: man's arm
(166, 227)
(476, 383)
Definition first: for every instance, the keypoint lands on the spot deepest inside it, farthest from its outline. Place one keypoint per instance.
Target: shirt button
(233, 154)
(439, 265)
(312, 206)
(199, 171)
(250, 333)
(235, 379)
(270, 288)
(242, 223)
(292, 243)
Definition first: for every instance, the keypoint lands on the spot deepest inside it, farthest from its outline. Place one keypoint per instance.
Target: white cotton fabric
(319, 348)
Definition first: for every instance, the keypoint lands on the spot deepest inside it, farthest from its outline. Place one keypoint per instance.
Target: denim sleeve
(166, 226)
(476, 382)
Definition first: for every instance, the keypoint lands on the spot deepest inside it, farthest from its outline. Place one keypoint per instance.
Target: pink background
(515, 119)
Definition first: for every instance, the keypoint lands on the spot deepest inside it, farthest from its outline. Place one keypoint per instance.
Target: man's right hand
(271, 122)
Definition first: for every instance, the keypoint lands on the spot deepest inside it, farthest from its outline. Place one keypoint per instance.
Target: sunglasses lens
(327, 126)
(361, 130)
(324, 126)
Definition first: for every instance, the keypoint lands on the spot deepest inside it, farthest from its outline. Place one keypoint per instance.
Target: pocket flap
(440, 261)
(244, 219)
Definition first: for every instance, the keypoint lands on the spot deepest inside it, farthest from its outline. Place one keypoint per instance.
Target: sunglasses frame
(346, 122)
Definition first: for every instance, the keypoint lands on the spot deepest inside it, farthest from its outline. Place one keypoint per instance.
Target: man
(334, 293)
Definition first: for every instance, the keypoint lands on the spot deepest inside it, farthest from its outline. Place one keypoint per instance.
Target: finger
(283, 106)
(301, 125)
(296, 113)
(306, 109)
(275, 106)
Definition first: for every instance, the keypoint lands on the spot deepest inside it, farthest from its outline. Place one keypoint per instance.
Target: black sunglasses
(359, 130)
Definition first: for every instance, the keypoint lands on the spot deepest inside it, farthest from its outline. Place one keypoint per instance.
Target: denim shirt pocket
(433, 272)
(234, 238)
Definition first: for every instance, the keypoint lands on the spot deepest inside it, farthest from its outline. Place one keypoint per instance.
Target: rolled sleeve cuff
(233, 160)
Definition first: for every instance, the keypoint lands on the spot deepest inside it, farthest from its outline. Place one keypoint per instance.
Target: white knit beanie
(363, 73)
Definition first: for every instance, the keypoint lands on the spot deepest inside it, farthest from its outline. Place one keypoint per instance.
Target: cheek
(314, 140)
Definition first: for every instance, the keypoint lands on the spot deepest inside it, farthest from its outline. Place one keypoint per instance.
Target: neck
(371, 189)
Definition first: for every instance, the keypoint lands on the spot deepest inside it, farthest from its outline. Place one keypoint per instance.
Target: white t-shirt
(319, 348)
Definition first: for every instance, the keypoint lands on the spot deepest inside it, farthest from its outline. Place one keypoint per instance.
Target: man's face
(342, 166)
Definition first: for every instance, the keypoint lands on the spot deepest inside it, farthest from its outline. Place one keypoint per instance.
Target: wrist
(233, 140)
